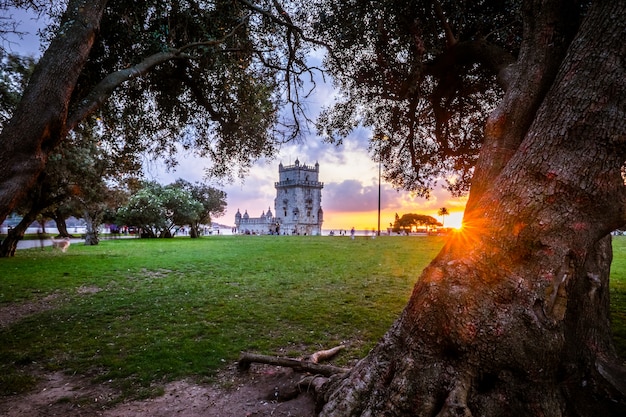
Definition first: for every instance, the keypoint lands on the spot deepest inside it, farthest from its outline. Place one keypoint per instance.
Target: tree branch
(326, 370)
(450, 38)
(105, 88)
(287, 22)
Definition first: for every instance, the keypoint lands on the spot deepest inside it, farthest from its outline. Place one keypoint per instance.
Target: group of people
(343, 233)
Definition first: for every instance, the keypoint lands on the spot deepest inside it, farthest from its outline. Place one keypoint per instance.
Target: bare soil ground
(262, 391)
(251, 394)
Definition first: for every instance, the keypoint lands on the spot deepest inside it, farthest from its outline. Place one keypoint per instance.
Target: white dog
(62, 244)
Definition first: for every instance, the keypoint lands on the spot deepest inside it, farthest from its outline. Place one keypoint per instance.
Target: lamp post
(379, 158)
(381, 138)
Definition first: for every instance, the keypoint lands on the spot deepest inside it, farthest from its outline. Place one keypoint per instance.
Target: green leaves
(15, 71)
(231, 66)
(157, 209)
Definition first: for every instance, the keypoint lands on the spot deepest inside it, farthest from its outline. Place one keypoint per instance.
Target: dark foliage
(423, 75)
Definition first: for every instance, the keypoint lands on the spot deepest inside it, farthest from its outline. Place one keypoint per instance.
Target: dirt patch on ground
(14, 312)
(262, 391)
(252, 393)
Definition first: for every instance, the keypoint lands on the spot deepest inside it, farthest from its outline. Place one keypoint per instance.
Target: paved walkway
(35, 243)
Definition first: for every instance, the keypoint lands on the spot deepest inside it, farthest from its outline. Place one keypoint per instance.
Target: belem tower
(297, 207)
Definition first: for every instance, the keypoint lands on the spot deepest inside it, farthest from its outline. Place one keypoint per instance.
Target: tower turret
(237, 218)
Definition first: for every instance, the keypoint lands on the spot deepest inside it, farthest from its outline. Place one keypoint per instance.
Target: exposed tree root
(456, 403)
(311, 365)
(312, 383)
(323, 355)
(302, 366)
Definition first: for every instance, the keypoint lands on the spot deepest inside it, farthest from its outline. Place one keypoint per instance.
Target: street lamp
(380, 138)
(378, 234)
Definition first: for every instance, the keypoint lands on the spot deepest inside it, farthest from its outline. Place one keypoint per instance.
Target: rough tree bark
(40, 120)
(512, 317)
(9, 244)
(38, 200)
(59, 219)
(93, 222)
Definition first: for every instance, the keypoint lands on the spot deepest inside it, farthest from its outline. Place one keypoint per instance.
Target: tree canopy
(423, 74)
(443, 212)
(212, 76)
(213, 203)
(15, 70)
(157, 209)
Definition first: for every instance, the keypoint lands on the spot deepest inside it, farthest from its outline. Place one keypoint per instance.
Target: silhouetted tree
(410, 221)
(443, 212)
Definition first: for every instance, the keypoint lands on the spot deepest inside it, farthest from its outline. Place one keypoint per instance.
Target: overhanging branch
(103, 90)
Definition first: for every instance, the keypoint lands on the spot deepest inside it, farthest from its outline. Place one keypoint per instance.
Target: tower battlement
(297, 167)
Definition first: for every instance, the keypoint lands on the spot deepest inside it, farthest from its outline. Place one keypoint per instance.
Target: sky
(350, 177)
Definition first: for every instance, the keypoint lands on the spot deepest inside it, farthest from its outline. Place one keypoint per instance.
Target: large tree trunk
(194, 231)
(59, 219)
(93, 222)
(42, 223)
(39, 121)
(512, 317)
(9, 245)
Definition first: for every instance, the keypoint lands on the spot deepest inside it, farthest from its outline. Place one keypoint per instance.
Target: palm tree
(443, 212)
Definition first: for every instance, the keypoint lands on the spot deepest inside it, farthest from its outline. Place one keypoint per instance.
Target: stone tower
(298, 203)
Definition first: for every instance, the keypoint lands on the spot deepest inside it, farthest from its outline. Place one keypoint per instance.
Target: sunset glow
(350, 176)
(368, 220)
(349, 196)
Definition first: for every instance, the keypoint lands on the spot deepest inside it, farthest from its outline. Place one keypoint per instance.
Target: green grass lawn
(137, 311)
(618, 294)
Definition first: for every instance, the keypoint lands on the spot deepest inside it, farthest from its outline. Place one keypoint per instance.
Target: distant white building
(263, 225)
(298, 204)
